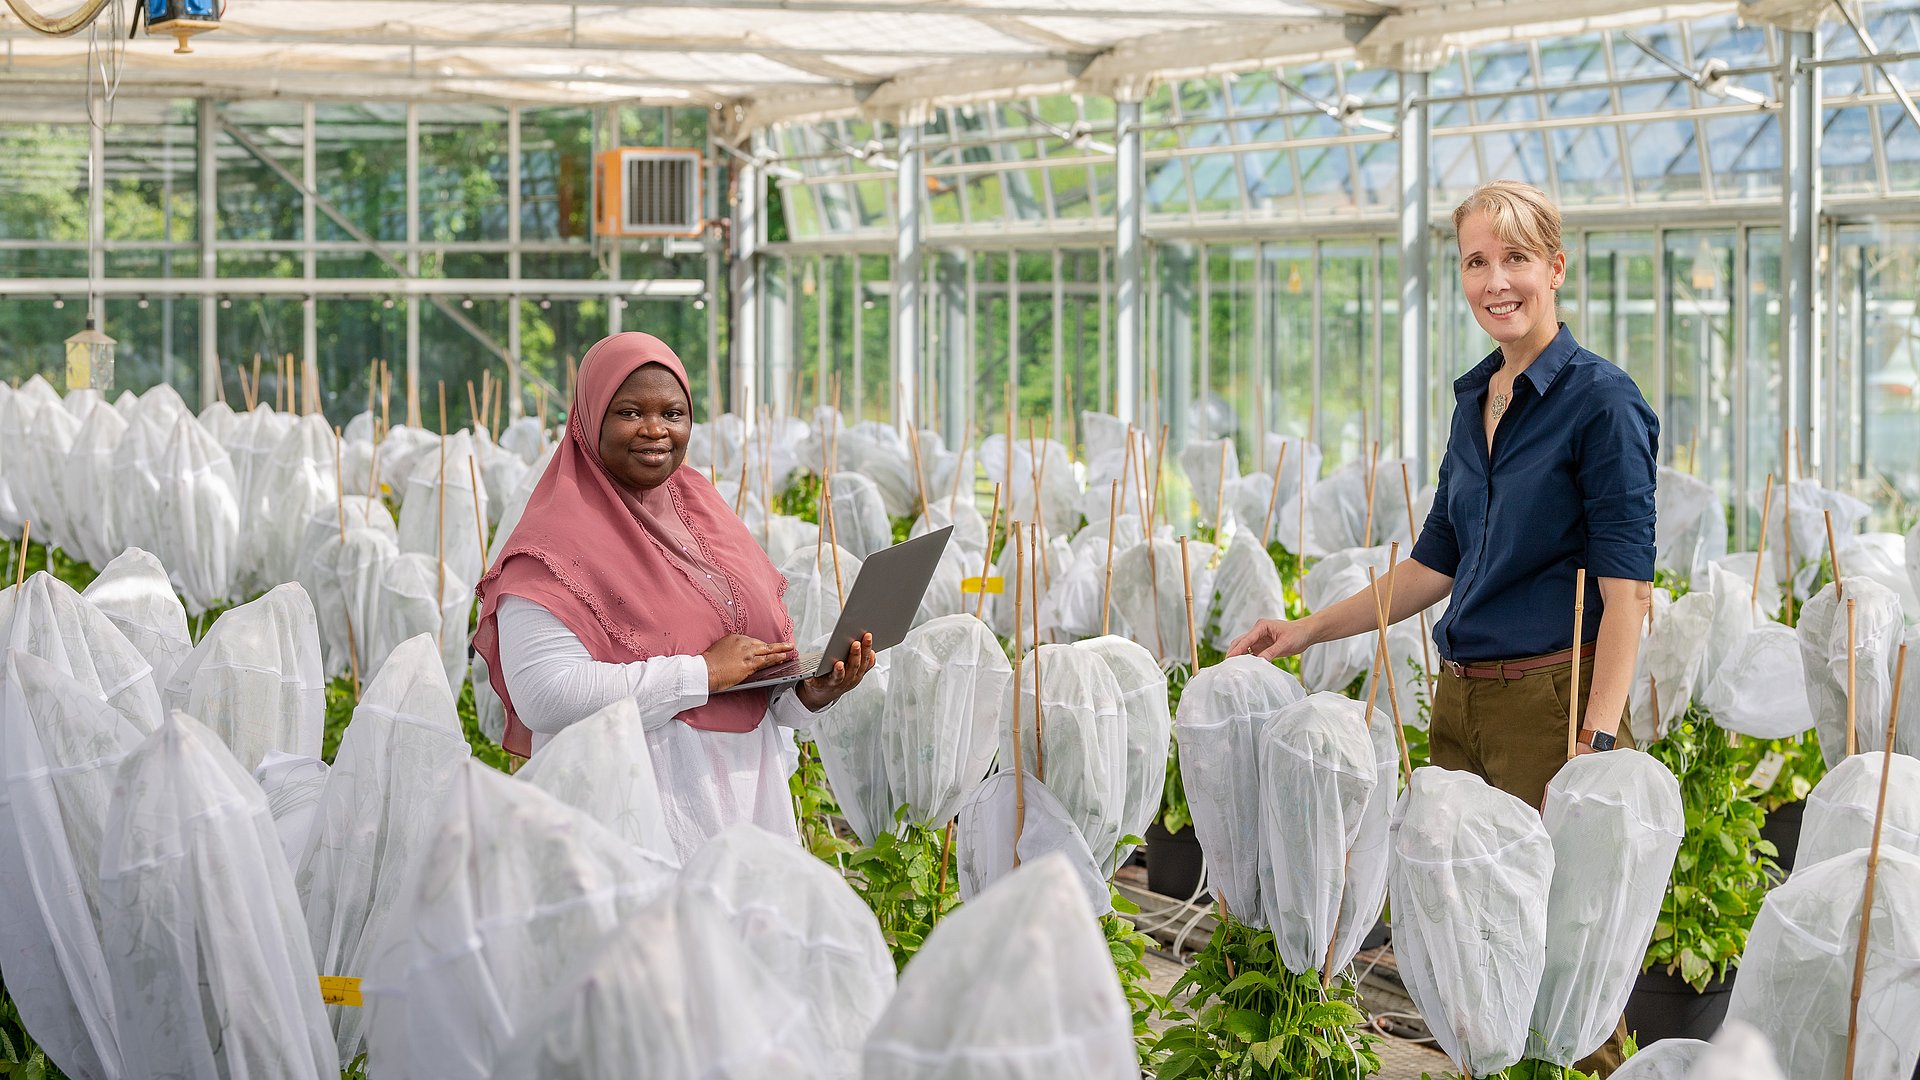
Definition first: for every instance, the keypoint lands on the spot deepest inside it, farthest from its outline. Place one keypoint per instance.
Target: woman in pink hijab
(630, 577)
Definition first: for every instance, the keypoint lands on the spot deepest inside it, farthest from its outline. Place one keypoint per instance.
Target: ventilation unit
(648, 191)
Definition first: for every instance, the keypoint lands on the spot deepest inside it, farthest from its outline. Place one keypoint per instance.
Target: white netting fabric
(46, 618)
(1670, 661)
(1208, 469)
(1690, 528)
(1797, 971)
(1882, 556)
(969, 526)
(1615, 821)
(1840, 809)
(859, 522)
(1016, 985)
(1878, 631)
(396, 762)
(293, 785)
(1317, 779)
(1737, 1052)
(295, 482)
(1246, 589)
(1809, 503)
(430, 524)
(798, 917)
(947, 700)
(852, 744)
(602, 765)
(1761, 689)
(1472, 869)
(983, 841)
(512, 892)
(44, 471)
(133, 592)
(93, 479)
(1667, 1059)
(1221, 713)
(212, 974)
(815, 586)
(1149, 721)
(1333, 665)
(60, 746)
(1081, 751)
(879, 453)
(196, 525)
(1150, 594)
(255, 679)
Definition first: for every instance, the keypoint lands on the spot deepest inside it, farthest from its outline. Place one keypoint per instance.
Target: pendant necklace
(1500, 404)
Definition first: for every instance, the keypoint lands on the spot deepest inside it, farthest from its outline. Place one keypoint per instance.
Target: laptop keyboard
(807, 664)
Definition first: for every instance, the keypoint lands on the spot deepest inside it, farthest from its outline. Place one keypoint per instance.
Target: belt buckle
(1456, 669)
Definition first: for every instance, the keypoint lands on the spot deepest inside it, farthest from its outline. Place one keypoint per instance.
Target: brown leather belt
(1513, 669)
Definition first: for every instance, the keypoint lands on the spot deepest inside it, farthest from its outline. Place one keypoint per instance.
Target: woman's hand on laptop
(735, 658)
(823, 690)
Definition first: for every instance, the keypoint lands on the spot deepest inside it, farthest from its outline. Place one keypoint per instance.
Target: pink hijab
(629, 573)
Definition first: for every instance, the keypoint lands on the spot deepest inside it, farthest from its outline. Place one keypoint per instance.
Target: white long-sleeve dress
(708, 779)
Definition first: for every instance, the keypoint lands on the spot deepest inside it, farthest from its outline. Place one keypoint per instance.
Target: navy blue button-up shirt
(1569, 484)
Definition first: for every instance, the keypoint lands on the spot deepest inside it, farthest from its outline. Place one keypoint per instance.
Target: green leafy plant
(1800, 767)
(800, 498)
(899, 878)
(1246, 1017)
(1128, 948)
(20, 1057)
(815, 808)
(1722, 871)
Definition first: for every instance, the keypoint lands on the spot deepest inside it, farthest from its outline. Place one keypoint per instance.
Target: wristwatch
(1599, 740)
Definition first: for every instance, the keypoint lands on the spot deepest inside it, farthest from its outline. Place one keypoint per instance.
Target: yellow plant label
(339, 990)
(975, 585)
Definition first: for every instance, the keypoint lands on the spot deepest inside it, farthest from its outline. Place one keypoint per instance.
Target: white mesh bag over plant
(93, 474)
(293, 785)
(1221, 713)
(1878, 631)
(405, 607)
(296, 480)
(212, 974)
(1882, 556)
(1670, 661)
(1016, 985)
(944, 595)
(196, 525)
(1371, 856)
(947, 700)
(46, 618)
(1667, 1059)
(859, 522)
(1201, 462)
(1148, 592)
(396, 762)
(969, 525)
(853, 751)
(602, 765)
(1685, 535)
(1143, 703)
(44, 470)
(1332, 665)
(255, 679)
(133, 593)
(60, 746)
(1472, 867)
(671, 992)
(430, 526)
(798, 917)
(1737, 1052)
(1316, 780)
(1246, 589)
(879, 453)
(1615, 821)
(514, 890)
(1797, 971)
(1840, 809)
(1081, 751)
(1761, 689)
(1077, 602)
(983, 836)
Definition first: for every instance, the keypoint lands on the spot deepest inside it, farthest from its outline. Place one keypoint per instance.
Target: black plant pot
(1663, 1006)
(1783, 828)
(1173, 862)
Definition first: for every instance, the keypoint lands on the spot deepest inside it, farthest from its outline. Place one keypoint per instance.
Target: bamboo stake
(26, 538)
(1300, 547)
(740, 489)
(1853, 740)
(1193, 638)
(1786, 516)
(946, 853)
(1382, 610)
(986, 561)
(256, 381)
(1019, 773)
(1273, 497)
(1220, 491)
(833, 541)
(1413, 536)
(1126, 470)
(1579, 628)
(1040, 517)
(386, 397)
(479, 524)
(1760, 552)
(919, 473)
(1833, 557)
(1039, 715)
(220, 382)
(1873, 870)
(1159, 472)
(1373, 469)
(340, 511)
(474, 412)
(1106, 591)
(440, 514)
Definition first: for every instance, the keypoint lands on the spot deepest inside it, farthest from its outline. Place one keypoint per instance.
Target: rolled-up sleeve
(1617, 477)
(1438, 549)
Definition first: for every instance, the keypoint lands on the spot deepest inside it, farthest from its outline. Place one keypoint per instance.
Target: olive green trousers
(1512, 733)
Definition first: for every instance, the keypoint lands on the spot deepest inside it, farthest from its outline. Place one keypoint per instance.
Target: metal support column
(1415, 270)
(309, 223)
(413, 264)
(1129, 265)
(910, 200)
(1176, 342)
(743, 285)
(97, 220)
(514, 405)
(1800, 233)
(206, 131)
(955, 346)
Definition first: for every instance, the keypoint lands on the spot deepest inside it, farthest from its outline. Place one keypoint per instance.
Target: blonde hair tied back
(1523, 216)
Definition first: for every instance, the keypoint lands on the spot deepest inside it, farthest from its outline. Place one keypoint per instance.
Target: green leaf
(1250, 1026)
(1249, 978)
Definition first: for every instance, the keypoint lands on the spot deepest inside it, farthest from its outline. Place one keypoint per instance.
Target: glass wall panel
(33, 332)
(1348, 424)
(1696, 428)
(463, 174)
(159, 343)
(556, 173)
(992, 358)
(1232, 307)
(1619, 322)
(1875, 380)
(1082, 348)
(873, 390)
(1760, 367)
(1289, 342)
(360, 160)
(254, 203)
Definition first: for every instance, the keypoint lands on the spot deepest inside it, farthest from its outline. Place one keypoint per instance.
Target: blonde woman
(1549, 469)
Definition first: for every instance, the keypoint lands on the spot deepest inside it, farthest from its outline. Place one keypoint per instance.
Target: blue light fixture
(182, 19)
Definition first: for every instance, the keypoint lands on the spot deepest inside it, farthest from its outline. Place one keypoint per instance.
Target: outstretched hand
(1272, 638)
(823, 690)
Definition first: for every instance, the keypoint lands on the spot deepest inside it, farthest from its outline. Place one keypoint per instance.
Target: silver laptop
(886, 595)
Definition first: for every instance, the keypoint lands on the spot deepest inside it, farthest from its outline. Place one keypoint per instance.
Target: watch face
(1600, 740)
